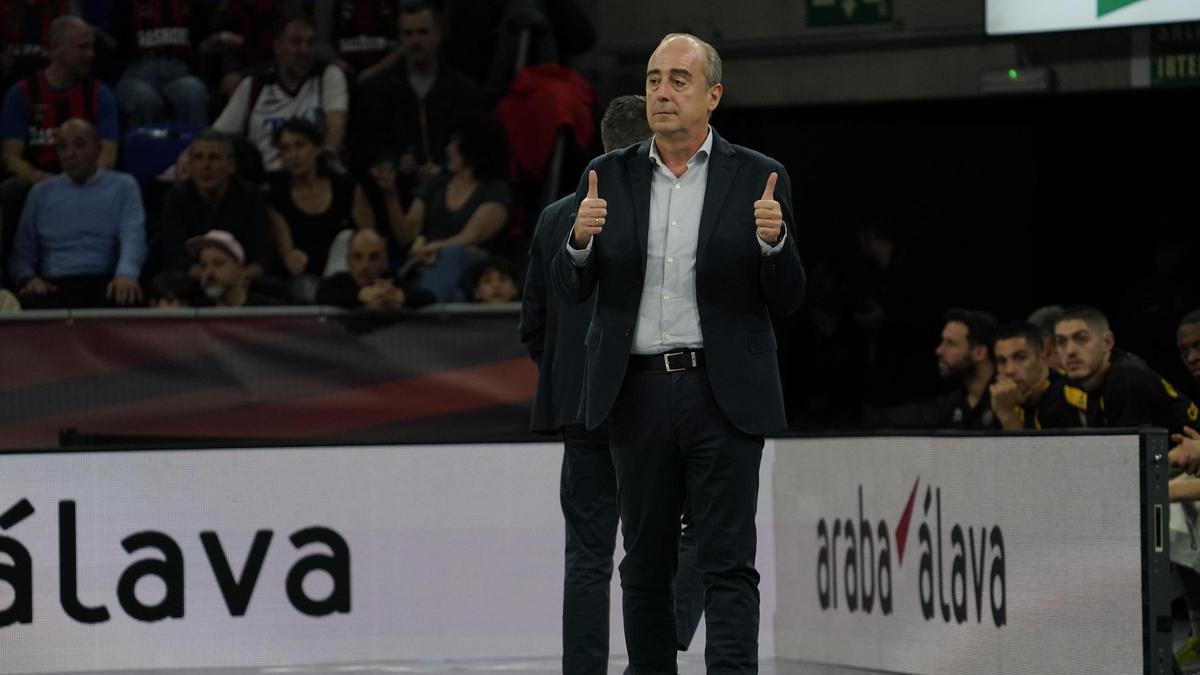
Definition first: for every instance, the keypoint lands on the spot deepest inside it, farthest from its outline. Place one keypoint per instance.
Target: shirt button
(666, 297)
(670, 260)
(677, 186)
(674, 222)
(666, 336)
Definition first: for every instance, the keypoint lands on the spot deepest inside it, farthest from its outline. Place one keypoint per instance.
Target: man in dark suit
(686, 241)
(554, 333)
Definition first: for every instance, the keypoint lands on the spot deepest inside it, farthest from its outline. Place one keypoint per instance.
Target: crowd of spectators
(331, 152)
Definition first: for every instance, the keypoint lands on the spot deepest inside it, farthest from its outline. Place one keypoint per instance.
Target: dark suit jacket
(736, 287)
(552, 330)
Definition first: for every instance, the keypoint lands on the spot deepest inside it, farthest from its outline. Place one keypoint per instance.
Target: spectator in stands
(161, 41)
(366, 285)
(1122, 390)
(311, 205)
(1045, 318)
(463, 210)
(1026, 393)
(222, 266)
(213, 198)
(965, 358)
(171, 289)
(294, 85)
(406, 114)
(493, 282)
(24, 34)
(363, 34)
(246, 30)
(82, 239)
(37, 106)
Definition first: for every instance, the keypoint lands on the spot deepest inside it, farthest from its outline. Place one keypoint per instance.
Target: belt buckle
(667, 362)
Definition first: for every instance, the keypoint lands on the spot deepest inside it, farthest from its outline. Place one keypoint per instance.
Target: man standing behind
(686, 241)
(82, 238)
(965, 357)
(554, 333)
(1027, 394)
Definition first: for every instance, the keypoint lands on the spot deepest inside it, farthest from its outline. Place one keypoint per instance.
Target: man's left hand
(768, 215)
(124, 291)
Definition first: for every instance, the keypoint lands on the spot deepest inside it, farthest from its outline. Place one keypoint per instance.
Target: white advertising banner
(253, 557)
(1033, 16)
(961, 555)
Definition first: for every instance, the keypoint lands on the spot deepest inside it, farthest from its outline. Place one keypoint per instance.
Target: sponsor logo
(855, 569)
(237, 588)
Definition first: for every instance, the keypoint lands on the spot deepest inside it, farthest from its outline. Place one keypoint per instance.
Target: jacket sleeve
(575, 283)
(782, 275)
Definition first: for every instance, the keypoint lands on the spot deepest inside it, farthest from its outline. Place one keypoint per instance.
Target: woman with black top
(311, 204)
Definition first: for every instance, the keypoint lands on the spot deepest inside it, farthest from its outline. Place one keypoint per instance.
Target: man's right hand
(589, 220)
(37, 286)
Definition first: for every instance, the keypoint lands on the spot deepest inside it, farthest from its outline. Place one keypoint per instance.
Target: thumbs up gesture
(768, 216)
(589, 220)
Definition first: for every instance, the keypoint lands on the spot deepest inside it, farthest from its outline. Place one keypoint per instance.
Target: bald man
(366, 285)
(82, 238)
(36, 106)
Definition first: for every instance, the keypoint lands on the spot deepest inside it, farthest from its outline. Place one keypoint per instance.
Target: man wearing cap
(82, 237)
(222, 266)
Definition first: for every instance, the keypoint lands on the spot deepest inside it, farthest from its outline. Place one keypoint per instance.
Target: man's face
(210, 165)
(1188, 339)
(419, 37)
(1083, 351)
(495, 286)
(78, 151)
(678, 98)
(367, 259)
(954, 352)
(1020, 362)
(219, 271)
(294, 49)
(75, 53)
(1050, 353)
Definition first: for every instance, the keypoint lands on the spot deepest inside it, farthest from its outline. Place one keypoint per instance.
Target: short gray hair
(712, 76)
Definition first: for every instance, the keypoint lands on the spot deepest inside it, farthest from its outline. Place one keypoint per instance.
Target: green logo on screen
(1108, 6)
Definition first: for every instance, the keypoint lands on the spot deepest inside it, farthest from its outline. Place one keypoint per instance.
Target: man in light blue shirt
(82, 239)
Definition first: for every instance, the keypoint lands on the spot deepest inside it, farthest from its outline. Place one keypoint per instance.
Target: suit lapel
(721, 169)
(639, 185)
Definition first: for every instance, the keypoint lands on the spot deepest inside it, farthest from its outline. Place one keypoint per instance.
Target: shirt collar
(701, 154)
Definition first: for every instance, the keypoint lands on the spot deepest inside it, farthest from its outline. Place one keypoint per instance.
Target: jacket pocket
(762, 341)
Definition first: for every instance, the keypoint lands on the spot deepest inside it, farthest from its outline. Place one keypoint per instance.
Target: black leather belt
(683, 359)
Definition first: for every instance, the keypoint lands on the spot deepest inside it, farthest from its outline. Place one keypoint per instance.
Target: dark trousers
(670, 441)
(588, 492)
